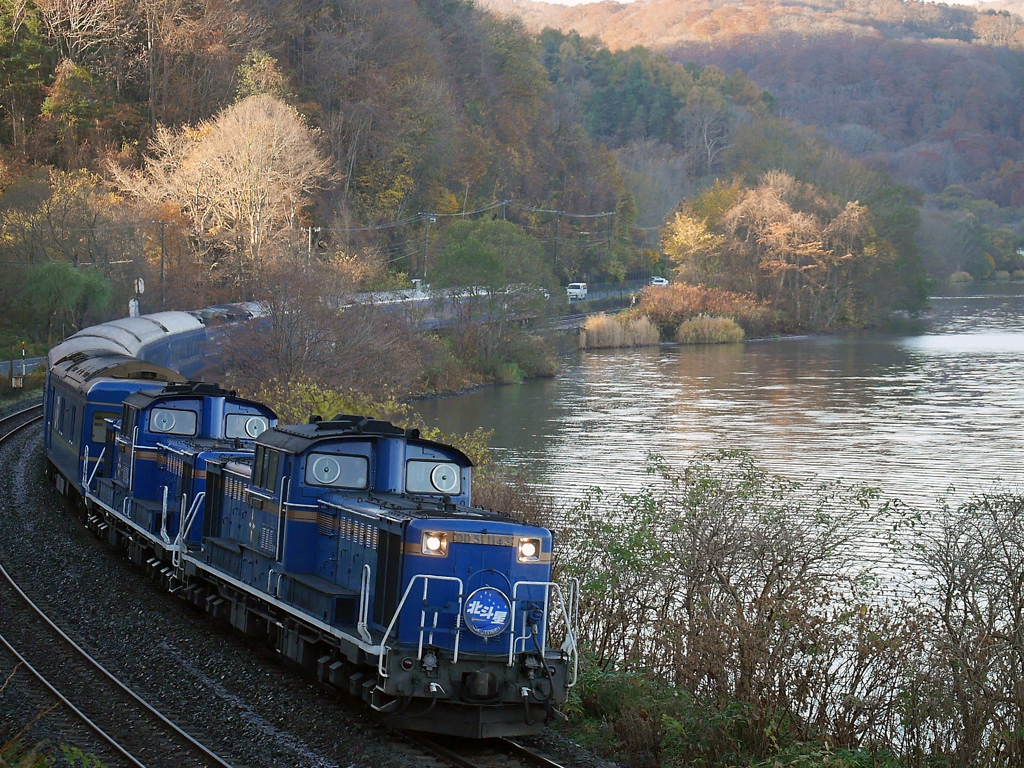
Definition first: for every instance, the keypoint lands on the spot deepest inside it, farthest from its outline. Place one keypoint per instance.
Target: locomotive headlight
(434, 543)
(529, 550)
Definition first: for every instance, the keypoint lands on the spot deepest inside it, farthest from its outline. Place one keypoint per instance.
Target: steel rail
(12, 416)
(528, 754)
(79, 713)
(207, 753)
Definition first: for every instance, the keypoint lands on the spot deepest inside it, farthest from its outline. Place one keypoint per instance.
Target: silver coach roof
(126, 336)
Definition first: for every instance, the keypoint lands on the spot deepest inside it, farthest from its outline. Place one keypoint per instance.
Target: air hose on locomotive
(545, 700)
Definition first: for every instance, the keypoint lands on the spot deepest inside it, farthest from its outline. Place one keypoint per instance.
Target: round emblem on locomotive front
(487, 612)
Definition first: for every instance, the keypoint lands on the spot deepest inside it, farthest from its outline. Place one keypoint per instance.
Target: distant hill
(928, 92)
(663, 24)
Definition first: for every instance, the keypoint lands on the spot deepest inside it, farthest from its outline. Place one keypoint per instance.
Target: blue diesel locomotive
(348, 545)
(147, 493)
(352, 544)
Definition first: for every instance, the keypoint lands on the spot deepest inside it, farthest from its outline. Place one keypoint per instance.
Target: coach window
(99, 425)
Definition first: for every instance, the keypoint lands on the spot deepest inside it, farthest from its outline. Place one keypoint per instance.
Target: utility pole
(554, 264)
(426, 245)
(309, 248)
(163, 254)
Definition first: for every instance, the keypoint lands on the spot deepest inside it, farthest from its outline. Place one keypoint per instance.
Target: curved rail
(11, 418)
(206, 756)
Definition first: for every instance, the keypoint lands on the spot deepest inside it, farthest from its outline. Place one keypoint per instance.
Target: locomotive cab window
(265, 468)
(128, 421)
(244, 426)
(337, 471)
(433, 477)
(172, 421)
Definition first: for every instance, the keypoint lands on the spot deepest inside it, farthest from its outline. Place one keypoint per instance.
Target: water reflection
(912, 409)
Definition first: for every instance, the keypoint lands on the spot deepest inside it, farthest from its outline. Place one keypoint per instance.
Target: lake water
(917, 408)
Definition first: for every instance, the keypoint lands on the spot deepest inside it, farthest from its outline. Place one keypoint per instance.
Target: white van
(576, 291)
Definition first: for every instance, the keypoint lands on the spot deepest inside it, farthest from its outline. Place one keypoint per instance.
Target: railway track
(490, 753)
(13, 423)
(130, 730)
(81, 701)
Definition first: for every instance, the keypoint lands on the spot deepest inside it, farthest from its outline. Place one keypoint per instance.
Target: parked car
(659, 281)
(576, 291)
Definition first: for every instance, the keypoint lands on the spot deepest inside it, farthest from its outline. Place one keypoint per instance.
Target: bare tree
(81, 27)
(973, 588)
(241, 179)
(316, 328)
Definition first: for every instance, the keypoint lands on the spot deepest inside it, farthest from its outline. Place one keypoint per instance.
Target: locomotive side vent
(325, 522)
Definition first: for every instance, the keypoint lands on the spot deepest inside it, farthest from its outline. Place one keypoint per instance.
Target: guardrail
(21, 367)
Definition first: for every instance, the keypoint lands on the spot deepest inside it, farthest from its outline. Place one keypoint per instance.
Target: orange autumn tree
(808, 255)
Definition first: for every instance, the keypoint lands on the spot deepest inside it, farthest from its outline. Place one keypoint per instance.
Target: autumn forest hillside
(927, 92)
(221, 149)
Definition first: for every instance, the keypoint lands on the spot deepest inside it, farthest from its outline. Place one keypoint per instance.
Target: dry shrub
(640, 736)
(671, 305)
(508, 490)
(606, 332)
(317, 327)
(709, 330)
(742, 591)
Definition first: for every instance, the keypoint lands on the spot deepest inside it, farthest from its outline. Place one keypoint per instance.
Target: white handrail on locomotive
(282, 526)
(86, 477)
(125, 516)
(362, 622)
(131, 467)
(183, 529)
(427, 578)
(163, 515)
(99, 461)
(569, 644)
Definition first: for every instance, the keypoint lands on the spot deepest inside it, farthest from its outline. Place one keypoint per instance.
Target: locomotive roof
(296, 438)
(82, 367)
(187, 389)
(403, 507)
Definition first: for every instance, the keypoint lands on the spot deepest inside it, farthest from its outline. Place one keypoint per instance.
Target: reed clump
(670, 306)
(611, 331)
(705, 329)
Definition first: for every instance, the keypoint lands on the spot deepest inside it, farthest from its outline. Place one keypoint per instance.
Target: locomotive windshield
(171, 421)
(337, 471)
(432, 477)
(244, 426)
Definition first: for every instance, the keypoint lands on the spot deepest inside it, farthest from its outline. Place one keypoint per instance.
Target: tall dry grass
(610, 331)
(670, 306)
(704, 329)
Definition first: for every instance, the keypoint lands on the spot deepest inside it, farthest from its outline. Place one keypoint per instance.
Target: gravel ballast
(242, 703)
